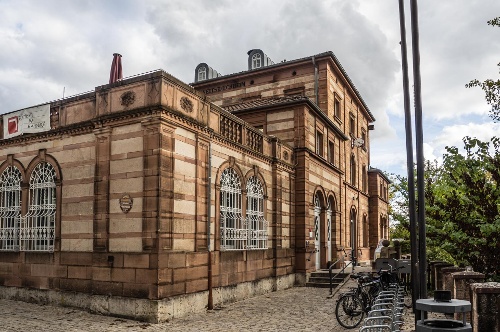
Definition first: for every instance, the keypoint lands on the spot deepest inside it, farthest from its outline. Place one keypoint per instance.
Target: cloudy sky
(47, 47)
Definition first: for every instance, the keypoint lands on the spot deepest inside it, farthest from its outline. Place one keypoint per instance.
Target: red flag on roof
(116, 69)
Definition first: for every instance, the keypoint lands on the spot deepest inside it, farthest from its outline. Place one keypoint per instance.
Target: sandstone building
(150, 198)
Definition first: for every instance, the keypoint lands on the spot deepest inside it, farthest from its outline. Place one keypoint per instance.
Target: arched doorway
(329, 226)
(329, 233)
(317, 230)
(354, 244)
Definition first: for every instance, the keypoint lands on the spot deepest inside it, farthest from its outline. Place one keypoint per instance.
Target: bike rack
(386, 312)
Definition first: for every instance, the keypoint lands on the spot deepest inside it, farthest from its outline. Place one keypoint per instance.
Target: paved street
(297, 309)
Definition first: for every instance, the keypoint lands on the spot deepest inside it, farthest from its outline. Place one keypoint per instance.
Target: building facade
(150, 198)
(312, 105)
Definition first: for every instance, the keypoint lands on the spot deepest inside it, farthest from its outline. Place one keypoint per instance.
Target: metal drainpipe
(209, 217)
(316, 97)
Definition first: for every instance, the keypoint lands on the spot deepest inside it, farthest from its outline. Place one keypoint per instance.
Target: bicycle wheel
(349, 311)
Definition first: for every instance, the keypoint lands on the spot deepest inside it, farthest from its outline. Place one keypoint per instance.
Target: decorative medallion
(128, 98)
(186, 104)
(285, 155)
(126, 203)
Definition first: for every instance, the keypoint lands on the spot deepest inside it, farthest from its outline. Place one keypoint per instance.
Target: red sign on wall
(13, 125)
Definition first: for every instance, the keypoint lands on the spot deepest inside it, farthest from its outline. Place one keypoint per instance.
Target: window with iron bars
(10, 209)
(257, 224)
(34, 231)
(239, 232)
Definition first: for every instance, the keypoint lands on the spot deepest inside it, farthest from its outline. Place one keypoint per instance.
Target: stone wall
(132, 197)
(485, 300)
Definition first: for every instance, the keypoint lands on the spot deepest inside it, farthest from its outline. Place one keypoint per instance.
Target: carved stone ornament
(285, 155)
(186, 104)
(128, 98)
(126, 203)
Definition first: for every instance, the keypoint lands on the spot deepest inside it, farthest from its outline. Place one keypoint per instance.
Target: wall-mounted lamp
(357, 142)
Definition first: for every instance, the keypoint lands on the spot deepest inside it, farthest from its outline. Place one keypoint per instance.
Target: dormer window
(256, 61)
(202, 74)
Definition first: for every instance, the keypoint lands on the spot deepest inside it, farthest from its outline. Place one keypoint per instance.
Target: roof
(264, 103)
(287, 63)
(380, 172)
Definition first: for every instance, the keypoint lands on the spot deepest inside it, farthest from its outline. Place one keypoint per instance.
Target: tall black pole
(420, 149)
(409, 157)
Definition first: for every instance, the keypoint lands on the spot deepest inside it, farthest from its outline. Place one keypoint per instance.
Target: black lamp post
(409, 157)
(419, 138)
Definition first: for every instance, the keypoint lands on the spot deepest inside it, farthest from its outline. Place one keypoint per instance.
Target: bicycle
(352, 306)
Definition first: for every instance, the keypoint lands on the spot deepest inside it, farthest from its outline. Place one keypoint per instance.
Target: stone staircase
(321, 278)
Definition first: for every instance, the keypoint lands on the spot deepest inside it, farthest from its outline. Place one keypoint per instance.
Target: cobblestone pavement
(296, 309)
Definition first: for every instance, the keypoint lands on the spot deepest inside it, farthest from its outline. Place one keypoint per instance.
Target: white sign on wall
(30, 120)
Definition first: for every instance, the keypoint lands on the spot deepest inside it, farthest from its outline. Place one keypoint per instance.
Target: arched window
(233, 233)
(37, 231)
(10, 208)
(256, 61)
(257, 225)
(353, 170)
(365, 231)
(202, 74)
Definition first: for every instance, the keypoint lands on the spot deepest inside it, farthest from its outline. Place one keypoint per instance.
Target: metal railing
(352, 262)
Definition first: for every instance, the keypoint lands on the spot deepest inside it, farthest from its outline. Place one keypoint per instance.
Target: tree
(490, 87)
(462, 207)
(399, 209)
(464, 213)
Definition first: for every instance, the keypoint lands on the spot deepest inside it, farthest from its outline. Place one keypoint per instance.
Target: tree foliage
(462, 198)
(462, 206)
(490, 87)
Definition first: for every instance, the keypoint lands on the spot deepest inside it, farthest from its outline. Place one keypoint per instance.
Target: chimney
(116, 69)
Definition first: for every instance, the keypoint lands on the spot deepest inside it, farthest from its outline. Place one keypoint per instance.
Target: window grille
(202, 74)
(317, 211)
(329, 222)
(37, 229)
(256, 61)
(233, 229)
(257, 225)
(10, 208)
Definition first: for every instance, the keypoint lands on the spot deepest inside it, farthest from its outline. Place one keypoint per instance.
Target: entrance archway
(354, 244)
(329, 226)
(317, 230)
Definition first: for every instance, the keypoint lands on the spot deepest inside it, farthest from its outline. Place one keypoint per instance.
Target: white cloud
(51, 45)
(453, 135)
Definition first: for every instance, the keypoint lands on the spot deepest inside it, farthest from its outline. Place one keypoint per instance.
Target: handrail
(341, 271)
